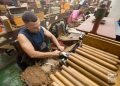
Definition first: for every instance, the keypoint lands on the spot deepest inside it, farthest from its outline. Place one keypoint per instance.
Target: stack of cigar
(88, 66)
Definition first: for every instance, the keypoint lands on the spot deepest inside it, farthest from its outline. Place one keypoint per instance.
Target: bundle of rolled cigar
(88, 66)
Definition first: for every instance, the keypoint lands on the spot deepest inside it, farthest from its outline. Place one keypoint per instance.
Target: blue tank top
(36, 39)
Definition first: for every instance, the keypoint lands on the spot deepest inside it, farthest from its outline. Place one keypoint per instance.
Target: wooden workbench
(106, 30)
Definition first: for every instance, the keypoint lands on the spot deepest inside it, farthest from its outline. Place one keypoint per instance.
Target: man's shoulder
(22, 29)
(42, 27)
(75, 12)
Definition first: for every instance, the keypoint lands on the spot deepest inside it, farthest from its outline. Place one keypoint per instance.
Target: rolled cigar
(93, 64)
(55, 79)
(55, 84)
(106, 53)
(71, 78)
(99, 56)
(102, 54)
(110, 66)
(84, 77)
(88, 74)
(63, 79)
(90, 69)
(80, 78)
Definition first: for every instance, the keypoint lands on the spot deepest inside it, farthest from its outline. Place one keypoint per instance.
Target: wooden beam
(105, 45)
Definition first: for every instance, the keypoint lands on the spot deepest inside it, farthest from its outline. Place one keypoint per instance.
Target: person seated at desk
(83, 3)
(75, 17)
(32, 41)
(118, 22)
(117, 28)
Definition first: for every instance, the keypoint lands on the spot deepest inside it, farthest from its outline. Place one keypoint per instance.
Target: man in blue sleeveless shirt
(32, 41)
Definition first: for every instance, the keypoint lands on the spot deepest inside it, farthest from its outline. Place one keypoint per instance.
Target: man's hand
(61, 48)
(56, 52)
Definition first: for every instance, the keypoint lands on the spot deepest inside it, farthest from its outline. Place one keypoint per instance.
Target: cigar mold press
(86, 66)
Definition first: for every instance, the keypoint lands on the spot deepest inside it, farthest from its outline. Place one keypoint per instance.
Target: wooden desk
(10, 36)
(106, 30)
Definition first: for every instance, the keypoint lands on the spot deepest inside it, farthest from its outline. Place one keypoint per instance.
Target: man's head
(31, 21)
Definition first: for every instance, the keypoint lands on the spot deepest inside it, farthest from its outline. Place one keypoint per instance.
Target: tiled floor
(9, 71)
(10, 76)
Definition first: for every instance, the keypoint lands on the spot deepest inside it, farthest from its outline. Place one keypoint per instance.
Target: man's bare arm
(53, 38)
(29, 49)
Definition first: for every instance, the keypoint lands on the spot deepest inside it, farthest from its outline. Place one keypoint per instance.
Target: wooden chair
(20, 54)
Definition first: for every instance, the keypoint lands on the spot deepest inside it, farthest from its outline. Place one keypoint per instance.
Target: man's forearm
(55, 41)
(38, 54)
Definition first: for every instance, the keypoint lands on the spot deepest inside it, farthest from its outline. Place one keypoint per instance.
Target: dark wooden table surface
(106, 30)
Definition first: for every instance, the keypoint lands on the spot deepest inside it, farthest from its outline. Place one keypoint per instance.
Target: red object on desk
(106, 30)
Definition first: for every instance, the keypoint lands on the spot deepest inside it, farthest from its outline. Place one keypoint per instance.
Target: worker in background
(119, 22)
(81, 2)
(32, 41)
(117, 28)
(75, 17)
(107, 3)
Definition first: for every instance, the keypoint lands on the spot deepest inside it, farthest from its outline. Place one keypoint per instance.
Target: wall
(115, 10)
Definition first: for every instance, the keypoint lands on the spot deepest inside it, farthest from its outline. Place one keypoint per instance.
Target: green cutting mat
(9, 71)
(5, 60)
(10, 76)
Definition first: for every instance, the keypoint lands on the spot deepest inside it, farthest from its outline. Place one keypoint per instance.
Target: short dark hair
(29, 17)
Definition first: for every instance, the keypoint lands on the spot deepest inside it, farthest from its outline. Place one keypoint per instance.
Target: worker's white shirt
(72, 2)
(81, 2)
